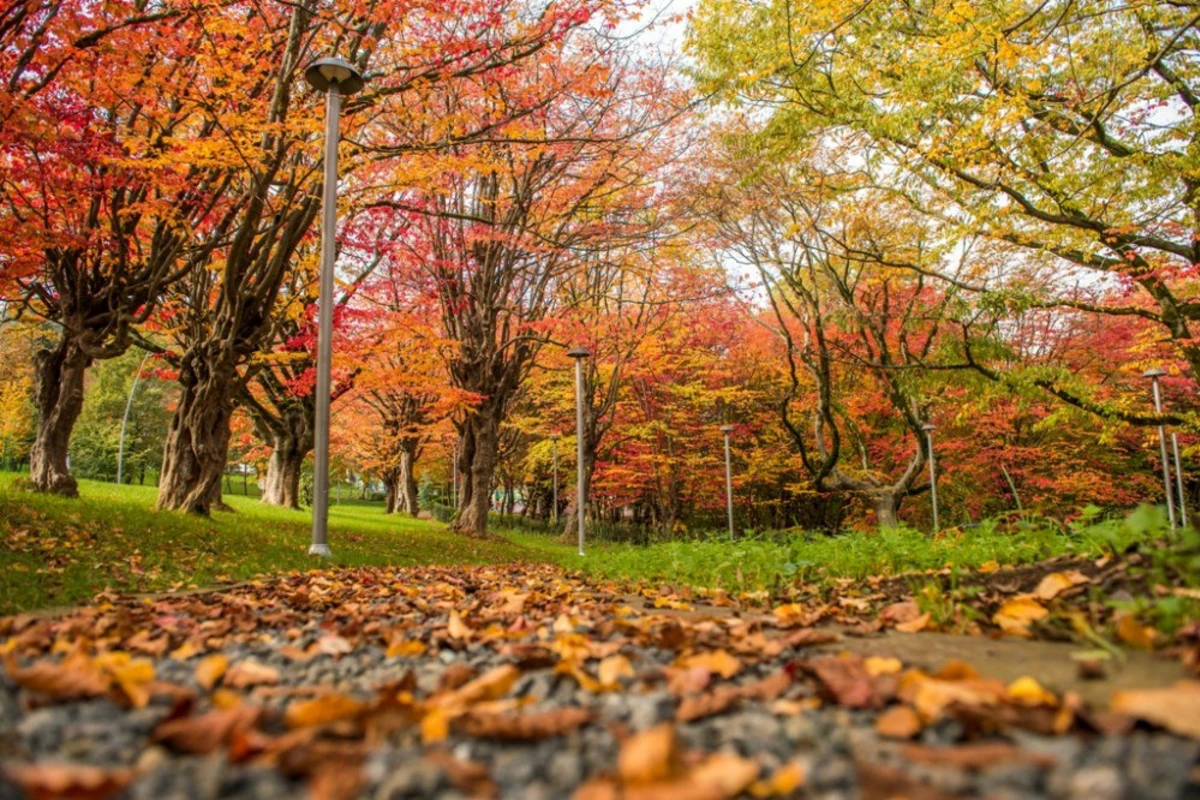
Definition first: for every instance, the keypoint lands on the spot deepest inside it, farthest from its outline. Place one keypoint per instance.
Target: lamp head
(928, 426)
(326, 72)
(578, 351)
(1154, 372)
(726, 429)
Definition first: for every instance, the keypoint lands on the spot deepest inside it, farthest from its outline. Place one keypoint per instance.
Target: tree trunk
(886, 506)
(391, 485)
(282, 486)
(59, 373)
(477, 458)
(198, 442)
(408, 479)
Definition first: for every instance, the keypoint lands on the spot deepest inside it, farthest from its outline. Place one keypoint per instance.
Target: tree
(1058, 128)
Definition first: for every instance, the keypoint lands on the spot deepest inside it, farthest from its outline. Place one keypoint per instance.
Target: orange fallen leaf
(905, 611)
(898, 722)
(649, 756)
(457, 628)
(1029, 692)
(782, 783)
(406, 648)
(1176, 708)
(915, 625)
(56, 780)
(1016, 615)
(211, 669)
(881, 665)
(613, 668)
(1135, 634)
(719, 662)
(322, 710)
(205, 733)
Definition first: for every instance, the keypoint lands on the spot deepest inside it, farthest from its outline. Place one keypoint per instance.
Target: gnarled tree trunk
(60, 372)
(477, 466)
(198, 442)
(887, 508)
(282, 485)
(407, 483)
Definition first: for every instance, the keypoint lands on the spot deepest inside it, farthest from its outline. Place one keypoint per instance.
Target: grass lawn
(767, 562)
(55, 551)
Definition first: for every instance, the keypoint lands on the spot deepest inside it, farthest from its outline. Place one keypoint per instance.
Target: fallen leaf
(905, 611)
(649, 756)
(613, 668)
(55, 780)
(457, 628)
(1135, 634)
(1029, 692)
(1176, 708)
(524, 727)
(406, 648)
(245, 674)
(915, 625)
(898, 722)
(1016, 615)
(1056, 583)
(72, 679)
(333, 645)
(975, 755)
(782, 783)
(880, 665)
(719, 662)
(203, 734)
(845, 679)
(211, 669)
(322, 710)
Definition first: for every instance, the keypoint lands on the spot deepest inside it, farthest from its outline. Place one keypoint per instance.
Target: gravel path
(417, 723)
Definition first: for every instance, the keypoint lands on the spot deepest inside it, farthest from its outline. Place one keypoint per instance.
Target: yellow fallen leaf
(322, 711)
(186, 651)
(132, 676)
(649, 756)
(1056, 583)
(1016, 615)
(457, 628)
(716, 661)
(988, 567)
(406, 648)
(880, 665)
(613, 668)
(1029, 692)
(782, 783)
(790, 612)
(1176, 708)
(724, 774)
(210, 670)
(435, 726)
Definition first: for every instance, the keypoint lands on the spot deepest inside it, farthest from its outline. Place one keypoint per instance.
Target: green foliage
(764, 563)
(95, 443)
(56, 552)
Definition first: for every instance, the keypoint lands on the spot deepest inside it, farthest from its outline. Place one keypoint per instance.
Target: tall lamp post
(1154, 374)
(554, 508)
(929, 428)
(579, 354)
(727, 430)
(125, 419)
(335, 78)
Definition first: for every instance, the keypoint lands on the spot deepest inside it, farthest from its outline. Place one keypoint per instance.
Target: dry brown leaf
(323, 710)
(72, 679)
(45, 781)
(492, 685)
(932, 696)
(1056, 583)
(204, 734)
(782, 783)
(1016, 615)
(897, 613)
(613, 668)
(729, 774)
(524, 727)
(845, 679)
(457, 628)
(333, 645)
(245, 674)
(1176, 708)
(976, 755)
(211, 669)
(406, 648)
(898, 722)
(650, 756)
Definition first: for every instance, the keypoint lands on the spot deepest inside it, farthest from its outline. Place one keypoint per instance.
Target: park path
(523, 681)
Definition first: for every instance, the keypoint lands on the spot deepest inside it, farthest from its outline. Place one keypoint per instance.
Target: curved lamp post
(929, 428)
(335, 78)
(1154, 374)
(579, 354)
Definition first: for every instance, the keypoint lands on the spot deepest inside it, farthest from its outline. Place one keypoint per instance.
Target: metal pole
(454, 477)
(929, 428)
(554, 508)
(728, 429)
(320, 530)
(1179, 481)
(579, 354)
(1154, 374)
(125, 419)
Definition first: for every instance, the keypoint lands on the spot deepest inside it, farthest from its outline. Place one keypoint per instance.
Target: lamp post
(929, 428)
(335, 78)
(579, 354)
(727, 430)
(125, 419)
(1154, 374)
(554, 508)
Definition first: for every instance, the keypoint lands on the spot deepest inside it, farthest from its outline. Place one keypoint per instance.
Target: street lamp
(579, 354)
(929, 428)
(1154, 374)
(554, 508)
(335, 78)
(728, 429)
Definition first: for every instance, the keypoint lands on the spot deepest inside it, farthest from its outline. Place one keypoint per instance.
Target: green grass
(55, 551)
(767, 562)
